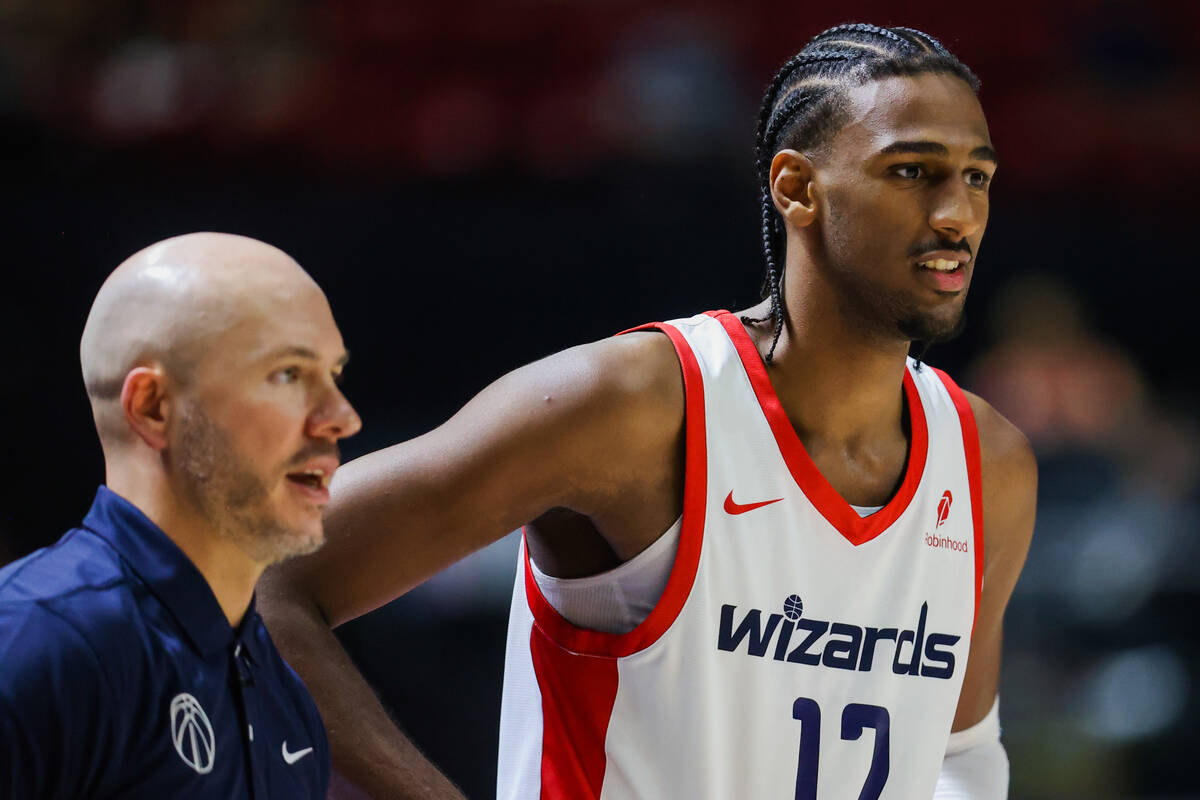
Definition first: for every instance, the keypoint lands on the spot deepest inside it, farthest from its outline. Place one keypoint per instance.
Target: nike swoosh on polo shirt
(292, 758)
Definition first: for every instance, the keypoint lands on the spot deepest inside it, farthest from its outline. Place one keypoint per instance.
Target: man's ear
(146, 406)
(791, 187)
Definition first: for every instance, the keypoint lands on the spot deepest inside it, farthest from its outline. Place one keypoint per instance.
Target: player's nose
(955, 213)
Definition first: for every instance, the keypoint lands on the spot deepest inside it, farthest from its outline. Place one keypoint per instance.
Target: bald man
(132, 661)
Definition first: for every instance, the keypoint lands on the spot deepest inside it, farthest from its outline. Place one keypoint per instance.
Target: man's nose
(335, 419)
(955, 213)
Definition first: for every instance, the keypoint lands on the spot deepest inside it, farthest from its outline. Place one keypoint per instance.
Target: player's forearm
(368, 750)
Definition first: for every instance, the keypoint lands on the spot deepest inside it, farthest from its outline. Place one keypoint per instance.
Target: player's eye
(909, 171)
(978, 179)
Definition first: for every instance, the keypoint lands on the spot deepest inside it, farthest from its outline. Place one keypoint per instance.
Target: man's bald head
(168, 305)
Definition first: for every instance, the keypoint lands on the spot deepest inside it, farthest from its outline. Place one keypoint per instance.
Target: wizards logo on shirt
(838, 645)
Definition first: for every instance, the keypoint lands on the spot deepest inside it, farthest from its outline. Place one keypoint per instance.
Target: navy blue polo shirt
(120, 677)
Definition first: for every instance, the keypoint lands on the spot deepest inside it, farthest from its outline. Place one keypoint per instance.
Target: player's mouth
(944, 270)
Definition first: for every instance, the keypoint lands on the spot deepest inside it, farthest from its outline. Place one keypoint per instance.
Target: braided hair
(805, 105)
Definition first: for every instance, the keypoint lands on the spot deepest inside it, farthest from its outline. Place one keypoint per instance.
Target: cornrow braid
(804, 106)
(926, 41)
(864, 28)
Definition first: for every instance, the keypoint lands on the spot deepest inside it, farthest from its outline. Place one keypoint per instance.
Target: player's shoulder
(632, 363)
(635, 377)
(1009, 478)
(1003, 446)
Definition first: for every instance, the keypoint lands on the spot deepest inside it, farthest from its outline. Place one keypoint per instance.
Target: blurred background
(479, 183)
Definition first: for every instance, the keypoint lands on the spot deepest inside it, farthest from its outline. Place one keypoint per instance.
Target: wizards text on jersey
(838, 645)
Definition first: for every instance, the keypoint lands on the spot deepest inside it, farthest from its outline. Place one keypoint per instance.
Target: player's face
(256, 438)
(905, 186)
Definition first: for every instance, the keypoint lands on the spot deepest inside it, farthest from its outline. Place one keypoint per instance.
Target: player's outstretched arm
(976, 767)
(574, 431)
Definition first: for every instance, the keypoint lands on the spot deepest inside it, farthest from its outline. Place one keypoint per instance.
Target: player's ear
(791, 187)
(145, 403)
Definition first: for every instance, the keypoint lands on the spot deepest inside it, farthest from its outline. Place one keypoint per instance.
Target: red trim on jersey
(578, 693)
(687, 558)
(970, 434)
(856, 529)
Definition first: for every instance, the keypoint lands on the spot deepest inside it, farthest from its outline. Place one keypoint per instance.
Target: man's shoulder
(635, 375)
(1002, 445)
(80, 579)
(72, 629)
(79, 560)
(48, 654)
(1009, 478)
(628, 361)
(72, 603)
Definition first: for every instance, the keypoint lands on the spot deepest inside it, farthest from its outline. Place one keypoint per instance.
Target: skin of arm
(597, 430)
(1009, 479)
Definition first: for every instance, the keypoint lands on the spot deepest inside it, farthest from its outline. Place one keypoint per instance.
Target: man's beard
(875, 310)
(889, 316)
(931, 330)
(218, 482)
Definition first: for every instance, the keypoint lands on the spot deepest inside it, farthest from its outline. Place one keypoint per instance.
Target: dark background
(477, 184)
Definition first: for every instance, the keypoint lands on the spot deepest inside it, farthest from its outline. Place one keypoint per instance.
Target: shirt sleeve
(54, 702)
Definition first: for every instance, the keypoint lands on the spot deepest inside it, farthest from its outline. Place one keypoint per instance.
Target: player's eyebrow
(981, 153)
(299, 351)
(984, 153)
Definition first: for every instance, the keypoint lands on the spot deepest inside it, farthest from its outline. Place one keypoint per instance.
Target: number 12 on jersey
(856, 717)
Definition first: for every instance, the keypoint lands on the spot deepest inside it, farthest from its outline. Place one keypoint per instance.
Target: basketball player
(766, 554)
(133, 662)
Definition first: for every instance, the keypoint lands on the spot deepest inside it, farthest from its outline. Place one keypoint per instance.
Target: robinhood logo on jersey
(839, 645)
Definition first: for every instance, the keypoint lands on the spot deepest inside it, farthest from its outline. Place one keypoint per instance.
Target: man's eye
(286, 375)
(978, 179)
(910, 171)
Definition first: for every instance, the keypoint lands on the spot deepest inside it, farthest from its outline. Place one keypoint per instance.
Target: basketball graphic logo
(944, 508)
(192, 733)
(792, 607)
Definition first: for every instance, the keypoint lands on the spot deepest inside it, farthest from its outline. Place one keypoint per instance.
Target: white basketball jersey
(799, 651)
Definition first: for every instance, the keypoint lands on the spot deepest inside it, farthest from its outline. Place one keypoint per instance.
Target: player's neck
(845, 392)
(230, 573)
(831, 374)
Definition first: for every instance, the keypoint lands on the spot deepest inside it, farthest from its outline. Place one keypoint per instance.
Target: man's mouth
(940, 264)
(944, 270)
(312, 478)
(315, 472)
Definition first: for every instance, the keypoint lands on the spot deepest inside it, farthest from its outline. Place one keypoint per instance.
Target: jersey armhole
(687, 559)
(970, 434)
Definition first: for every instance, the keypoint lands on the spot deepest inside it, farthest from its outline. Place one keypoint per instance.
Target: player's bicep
(1009, 507)
(541, 437)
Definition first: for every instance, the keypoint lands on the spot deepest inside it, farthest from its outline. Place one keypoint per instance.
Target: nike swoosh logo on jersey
(292, 758)
(737, 508)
